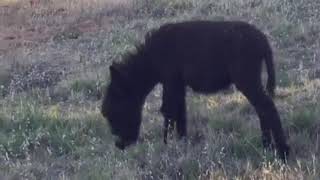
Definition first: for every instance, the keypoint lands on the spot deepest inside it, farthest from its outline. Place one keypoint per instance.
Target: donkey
(207, 56)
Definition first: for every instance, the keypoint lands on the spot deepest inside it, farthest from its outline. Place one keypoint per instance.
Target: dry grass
(54, 57)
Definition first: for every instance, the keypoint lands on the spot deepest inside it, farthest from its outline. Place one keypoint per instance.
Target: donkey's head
(122, 107)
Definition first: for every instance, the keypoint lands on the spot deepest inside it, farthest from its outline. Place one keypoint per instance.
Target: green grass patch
(305, 119)
(284, 79)
(5, 78)
(223, 124)
(29, 127)
(89, 88)
(246, 146)
(161, 8)
(190, 169)
(120, 41)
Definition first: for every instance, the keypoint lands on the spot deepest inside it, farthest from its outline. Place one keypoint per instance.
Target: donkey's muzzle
(122, 144)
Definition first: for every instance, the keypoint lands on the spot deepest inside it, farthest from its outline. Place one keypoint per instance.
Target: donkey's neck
(142, 77)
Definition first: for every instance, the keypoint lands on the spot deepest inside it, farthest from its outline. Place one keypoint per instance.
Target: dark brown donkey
(206, 56)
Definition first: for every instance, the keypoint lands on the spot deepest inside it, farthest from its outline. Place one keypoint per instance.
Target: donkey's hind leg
(268, 115)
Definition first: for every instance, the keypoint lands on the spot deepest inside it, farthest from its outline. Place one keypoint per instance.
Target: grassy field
(54, 59)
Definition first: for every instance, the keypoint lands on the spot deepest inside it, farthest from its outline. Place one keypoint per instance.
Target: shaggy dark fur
(206, 56)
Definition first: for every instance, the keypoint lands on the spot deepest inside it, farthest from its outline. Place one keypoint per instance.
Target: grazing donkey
(206, 56)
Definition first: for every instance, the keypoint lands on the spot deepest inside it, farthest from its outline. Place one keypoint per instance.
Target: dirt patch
(39, 75)
(28, 23)
(8, 2)
(12, 38)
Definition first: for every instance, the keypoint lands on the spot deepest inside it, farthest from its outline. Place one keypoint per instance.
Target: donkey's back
(208, 56)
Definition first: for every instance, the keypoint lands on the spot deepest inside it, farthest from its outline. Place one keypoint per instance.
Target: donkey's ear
(115, 71)
(118, 74)
(119, 78)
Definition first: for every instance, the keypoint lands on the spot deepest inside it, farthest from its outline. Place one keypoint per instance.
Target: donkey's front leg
(181, 121)
(173, 108)
(168, 115)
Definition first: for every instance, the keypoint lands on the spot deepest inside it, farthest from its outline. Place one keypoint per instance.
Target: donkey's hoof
(284, 151)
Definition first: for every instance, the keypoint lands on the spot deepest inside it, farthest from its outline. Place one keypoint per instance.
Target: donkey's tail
(271, 82)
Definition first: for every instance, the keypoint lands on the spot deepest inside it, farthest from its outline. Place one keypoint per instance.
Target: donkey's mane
(137, 55)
